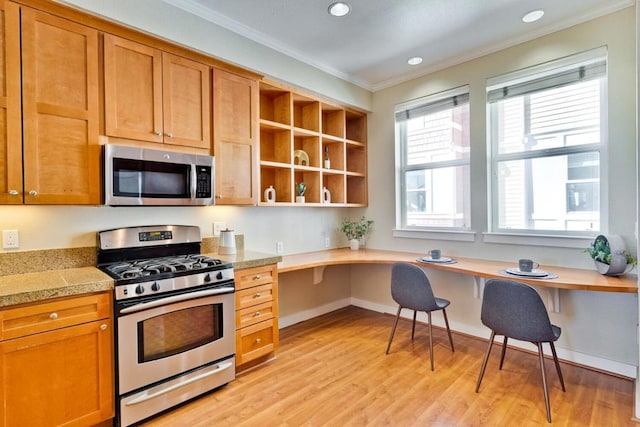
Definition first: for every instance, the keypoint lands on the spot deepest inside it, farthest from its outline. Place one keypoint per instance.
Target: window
(432, 145)
(547, 128)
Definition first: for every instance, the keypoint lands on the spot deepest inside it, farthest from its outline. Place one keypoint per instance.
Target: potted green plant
(610, 255)
(355, 231)
(301, 187)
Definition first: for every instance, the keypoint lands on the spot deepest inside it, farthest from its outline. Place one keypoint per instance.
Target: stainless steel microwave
(137, 176)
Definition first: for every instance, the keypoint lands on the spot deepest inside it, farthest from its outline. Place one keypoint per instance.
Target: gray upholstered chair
(515, 310)
(410, 288)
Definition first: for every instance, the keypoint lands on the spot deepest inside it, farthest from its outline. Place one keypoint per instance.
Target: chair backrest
(515, 310)
(410, 287)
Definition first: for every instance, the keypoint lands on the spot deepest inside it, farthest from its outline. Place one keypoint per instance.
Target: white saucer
(532, 273)
(442, 259)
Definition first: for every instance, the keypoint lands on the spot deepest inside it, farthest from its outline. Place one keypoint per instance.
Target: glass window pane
(438, 197)
(558, 117)
(550, 193)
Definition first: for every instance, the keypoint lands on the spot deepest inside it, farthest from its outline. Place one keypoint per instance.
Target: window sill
(451, 235)
(573, 242)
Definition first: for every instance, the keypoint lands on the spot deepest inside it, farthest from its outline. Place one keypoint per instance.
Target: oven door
(165, 337)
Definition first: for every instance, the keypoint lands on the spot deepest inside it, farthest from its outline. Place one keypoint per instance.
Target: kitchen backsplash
(59, 259)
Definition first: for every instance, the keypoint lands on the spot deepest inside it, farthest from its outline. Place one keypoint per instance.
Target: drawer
(47, 316)
(249, 277)
(255, 341)
(256, 295)
(255, 314)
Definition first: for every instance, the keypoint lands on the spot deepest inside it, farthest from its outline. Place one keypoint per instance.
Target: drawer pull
(258, 340)
(257, 295)
(256, 314)
(103, 327)
(257, 277)
(53, 316)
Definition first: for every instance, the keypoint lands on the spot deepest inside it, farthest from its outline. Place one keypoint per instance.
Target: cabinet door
(235, 127)
(132, 90)
(186, 102)
(63, 377)
(60, 111)
(10, 118)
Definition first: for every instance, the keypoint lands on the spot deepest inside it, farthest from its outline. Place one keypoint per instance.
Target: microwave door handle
(194, 182)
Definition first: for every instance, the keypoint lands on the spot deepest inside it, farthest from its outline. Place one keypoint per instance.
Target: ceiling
(370, 46)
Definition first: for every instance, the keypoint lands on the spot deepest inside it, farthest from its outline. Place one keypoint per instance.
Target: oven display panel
(150, 236)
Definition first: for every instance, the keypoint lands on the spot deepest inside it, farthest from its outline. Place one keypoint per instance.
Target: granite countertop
(21, 288)
(44, 285)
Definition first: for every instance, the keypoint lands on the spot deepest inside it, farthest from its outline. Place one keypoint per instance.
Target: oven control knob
(155, 287)
(139, 289)
(207, 278)
(219, 275)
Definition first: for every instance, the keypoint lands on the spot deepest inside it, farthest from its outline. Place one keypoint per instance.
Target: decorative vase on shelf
(354, 244)
(270, 195)
(299, 199)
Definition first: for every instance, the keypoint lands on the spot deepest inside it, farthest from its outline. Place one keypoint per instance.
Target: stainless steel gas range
(174, 311)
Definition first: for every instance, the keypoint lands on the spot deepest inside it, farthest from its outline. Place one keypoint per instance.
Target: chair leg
(504, 351)
(544, 382)
(555, 359)
(393, 330)
(484, 362)
(430, 340)
(413, 326)
(446, 322)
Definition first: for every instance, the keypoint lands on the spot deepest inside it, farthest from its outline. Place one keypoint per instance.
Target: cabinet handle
(103, 327)
(257, 295)
(218, 196)
(13, 192)
(258, 340)
(33, 193)
(53, 316)
(158, 133)
(256, 314)
(257, 277)
(170, 134)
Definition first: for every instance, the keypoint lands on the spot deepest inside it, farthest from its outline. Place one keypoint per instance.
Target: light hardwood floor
(332, 370)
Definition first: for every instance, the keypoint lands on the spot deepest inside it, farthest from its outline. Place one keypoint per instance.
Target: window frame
(402, 168)
(548, 69)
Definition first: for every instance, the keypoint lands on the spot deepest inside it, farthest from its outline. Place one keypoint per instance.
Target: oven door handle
(148, 396)
(176, 298)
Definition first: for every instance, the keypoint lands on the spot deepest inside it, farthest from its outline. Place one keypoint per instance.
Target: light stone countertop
(40, 286)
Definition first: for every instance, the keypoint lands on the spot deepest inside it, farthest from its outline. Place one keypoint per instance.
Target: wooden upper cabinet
(155, 96)
(235, 140)
(10, 111)
(60, 110)
(133, 90)
(187, 102)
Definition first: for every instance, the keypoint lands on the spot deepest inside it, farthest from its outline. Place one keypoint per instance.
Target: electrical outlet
(218, 226)
(279, 248)
(327, 242)
(10, 239)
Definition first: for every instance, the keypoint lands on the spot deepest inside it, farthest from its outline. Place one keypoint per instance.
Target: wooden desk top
(568, 278)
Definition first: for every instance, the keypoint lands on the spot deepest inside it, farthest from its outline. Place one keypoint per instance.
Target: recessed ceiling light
(414, 60)
(533, 16)
(339, 8)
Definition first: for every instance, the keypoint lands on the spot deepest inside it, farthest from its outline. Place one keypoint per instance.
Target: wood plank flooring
(332, 371)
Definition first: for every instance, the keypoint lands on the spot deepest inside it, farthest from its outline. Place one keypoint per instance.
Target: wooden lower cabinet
(256, 314)
(59, 369)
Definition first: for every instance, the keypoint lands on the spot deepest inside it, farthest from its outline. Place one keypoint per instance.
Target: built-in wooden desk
(568, 278)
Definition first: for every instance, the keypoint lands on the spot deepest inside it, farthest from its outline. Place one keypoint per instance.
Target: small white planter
(299, 199)
(354, 244)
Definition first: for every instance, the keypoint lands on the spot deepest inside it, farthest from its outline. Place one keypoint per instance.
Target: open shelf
(291, 123)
